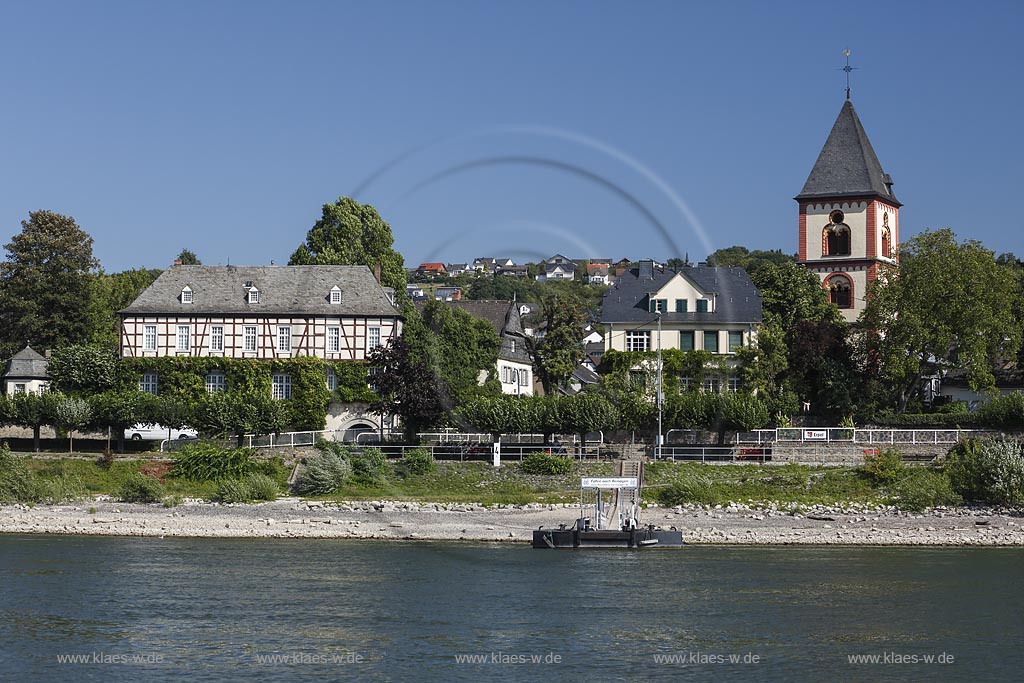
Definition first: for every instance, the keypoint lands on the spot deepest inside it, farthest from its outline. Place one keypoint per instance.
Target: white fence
(852, 435)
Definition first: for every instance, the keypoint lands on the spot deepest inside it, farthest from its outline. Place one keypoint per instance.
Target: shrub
(416, 462)
(138, 488)
(262, 487)
(207, 462)
(370, 467)
(323, 473)
(1004, 411)
(546, 463)
(987, 471)
(884, 467)
(690, 489)
(17, 483)
(59, 489)
(924, 488)
(249, 489)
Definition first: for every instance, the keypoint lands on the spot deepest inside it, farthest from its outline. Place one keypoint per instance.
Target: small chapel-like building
(849, 216)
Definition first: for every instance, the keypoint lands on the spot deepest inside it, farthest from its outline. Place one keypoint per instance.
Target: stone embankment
(772, 524)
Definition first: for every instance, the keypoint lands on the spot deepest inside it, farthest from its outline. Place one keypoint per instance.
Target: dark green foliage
(325, 472)
(140, 488)
(83, 369)
(207, 462)
(1004, 411)
(885, 467)
(921, 488)
(987, 471)
(408, 387)
(370, 467)
(560, 352)
(112, 292)
(416, 463)
(307, 408)
(187, 257)
(939, 420)
(546, 463)
(750, 261)
(46, 285)
(353, 385)
(249, 489)
(350, 233)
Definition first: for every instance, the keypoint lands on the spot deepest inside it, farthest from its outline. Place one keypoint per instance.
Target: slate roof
(738, 299)
(847, 165)
(284, 290)
(504, 316)
(26, 364)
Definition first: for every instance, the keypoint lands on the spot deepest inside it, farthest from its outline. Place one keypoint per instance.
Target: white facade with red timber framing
(849, 216)
(332, 312)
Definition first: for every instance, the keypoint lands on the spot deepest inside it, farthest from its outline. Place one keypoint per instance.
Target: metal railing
(851, 435)
(713, 454)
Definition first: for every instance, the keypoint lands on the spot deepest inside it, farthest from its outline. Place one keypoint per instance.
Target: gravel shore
(732, 524)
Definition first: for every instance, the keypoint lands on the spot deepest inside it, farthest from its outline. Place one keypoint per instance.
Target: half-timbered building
(262, 312)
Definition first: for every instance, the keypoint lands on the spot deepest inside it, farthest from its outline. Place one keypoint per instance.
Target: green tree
(83, 369)
(561, 351)
(949, 303)
(33, 411)
(746, 259)
(350, 233)
(110, 293)
(71, 413)
(45, 284)
(120, 409)
(459, 346)
(188, 258)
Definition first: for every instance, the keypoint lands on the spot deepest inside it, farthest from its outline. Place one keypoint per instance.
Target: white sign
(496, 452)
(816, 434)
(608, 482)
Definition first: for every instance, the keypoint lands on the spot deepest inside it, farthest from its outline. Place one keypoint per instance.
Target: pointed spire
(847, 165)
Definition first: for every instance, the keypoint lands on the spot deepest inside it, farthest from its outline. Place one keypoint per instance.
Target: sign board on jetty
(609, 482)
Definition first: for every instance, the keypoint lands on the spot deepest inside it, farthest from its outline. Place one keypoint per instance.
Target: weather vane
(847, 69)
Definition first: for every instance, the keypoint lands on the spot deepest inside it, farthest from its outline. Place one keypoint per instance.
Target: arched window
(840, 290)
(835, 240)
(886, 243)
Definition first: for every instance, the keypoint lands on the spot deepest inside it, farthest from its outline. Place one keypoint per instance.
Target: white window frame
(524, 377)
(280, 386)
(332, 379)
(186, 295)
(216, 337)
(184, 343)
(216, 382)
(638, 340)
(335, 296)
(149, 337)
(370, 332)
(284, 338)
(254, 295)
(249, 337)
(333, 340)
(149, 383)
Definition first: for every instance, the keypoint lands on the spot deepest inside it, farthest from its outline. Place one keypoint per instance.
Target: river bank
(733, 524)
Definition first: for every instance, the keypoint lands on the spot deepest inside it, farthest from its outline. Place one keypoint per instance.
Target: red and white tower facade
(849, 216)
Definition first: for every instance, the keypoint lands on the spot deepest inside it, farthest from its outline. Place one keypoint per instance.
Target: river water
(137, 609)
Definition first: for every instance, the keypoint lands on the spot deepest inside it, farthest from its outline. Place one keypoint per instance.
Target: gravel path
(733, 524)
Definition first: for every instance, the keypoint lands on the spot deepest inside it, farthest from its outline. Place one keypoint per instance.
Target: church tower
(849, 217)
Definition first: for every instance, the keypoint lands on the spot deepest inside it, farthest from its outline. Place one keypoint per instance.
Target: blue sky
(594, 129)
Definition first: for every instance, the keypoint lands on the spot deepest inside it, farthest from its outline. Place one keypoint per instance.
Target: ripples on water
(210, 609)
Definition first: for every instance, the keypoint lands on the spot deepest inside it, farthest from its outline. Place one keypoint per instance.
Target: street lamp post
(660, 395)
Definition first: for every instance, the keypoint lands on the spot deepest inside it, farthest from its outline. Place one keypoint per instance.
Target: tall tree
(188, 258)
(949, 303)
(350, 233)
(407, 387)
(560, 352)
(110, 293)
(45, 284)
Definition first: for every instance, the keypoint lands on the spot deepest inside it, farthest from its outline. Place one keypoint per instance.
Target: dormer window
(254, 295)
(335, 295)
(186, 295)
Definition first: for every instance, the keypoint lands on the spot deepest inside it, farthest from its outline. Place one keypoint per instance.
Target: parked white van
(157, 432)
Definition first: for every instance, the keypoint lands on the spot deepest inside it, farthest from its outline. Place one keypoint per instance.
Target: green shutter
(686, 341)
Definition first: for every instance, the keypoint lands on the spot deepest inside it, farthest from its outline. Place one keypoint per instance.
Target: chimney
(177, 262)
(376, 272)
